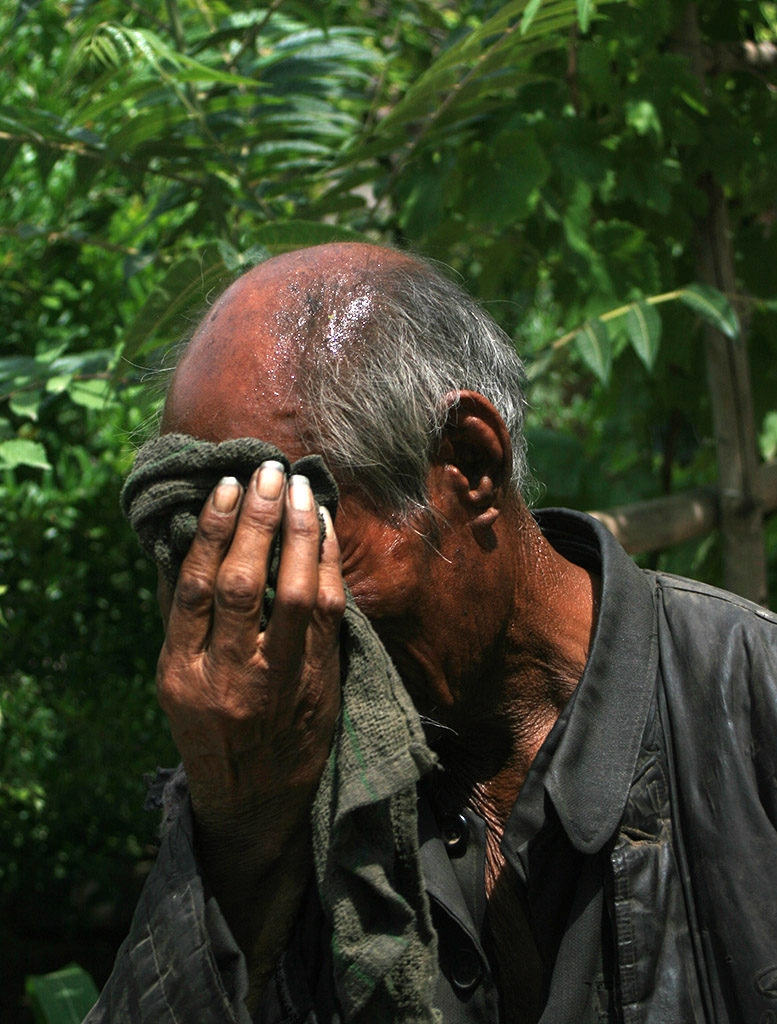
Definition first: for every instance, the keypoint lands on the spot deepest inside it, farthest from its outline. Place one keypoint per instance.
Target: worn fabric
(661, 776)
(364, 819)
(172, 477)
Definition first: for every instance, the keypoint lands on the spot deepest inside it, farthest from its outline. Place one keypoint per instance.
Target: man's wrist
(243, 848)
(258, 884)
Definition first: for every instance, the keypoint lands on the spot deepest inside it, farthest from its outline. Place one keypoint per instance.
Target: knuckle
(237, 588)
(331, 603)
(305, 527)
(262, 515)
(297, 598)
(194, 589)
(214, 529)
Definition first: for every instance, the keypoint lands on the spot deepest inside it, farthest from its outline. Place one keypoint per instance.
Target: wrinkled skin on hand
(252, 713)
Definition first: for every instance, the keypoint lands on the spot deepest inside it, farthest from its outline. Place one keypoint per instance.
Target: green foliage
(78, 721)
(593, 344)
(644, 327)
(554, 155)
(62, 997)
(712, 306)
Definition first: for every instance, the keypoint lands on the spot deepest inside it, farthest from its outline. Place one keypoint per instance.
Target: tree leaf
(188, 282)
(58, 383)
(114, 44)
(62, 997)
(18, 369)
(528, 15)
(713, 306)
(447, 71)
(22, 452)
(26, 403)
(517, 167)
(585, 9)
(91, 394)
(593, 344)
(643, 323)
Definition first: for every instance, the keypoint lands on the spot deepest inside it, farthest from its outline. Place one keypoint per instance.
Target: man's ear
(476, 455)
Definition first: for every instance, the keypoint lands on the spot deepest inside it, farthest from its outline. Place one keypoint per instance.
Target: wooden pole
(741, 514)
(663, 522)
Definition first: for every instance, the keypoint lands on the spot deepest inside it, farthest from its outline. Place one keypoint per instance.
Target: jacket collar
(588, 766)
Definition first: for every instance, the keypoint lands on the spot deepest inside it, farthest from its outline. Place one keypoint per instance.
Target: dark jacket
(658, 786)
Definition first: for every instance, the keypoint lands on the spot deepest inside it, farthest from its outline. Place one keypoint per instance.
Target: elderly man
(590, 828)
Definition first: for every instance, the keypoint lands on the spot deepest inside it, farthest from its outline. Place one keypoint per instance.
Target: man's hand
(252, 713)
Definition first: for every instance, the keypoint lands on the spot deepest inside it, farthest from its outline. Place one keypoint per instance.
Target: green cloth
(364, 818)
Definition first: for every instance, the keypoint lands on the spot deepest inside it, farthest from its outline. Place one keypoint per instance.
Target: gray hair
(395, 343)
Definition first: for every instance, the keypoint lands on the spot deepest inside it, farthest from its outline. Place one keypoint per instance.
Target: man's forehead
(233, 376)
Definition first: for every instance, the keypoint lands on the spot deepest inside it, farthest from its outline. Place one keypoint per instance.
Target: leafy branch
(643, 326)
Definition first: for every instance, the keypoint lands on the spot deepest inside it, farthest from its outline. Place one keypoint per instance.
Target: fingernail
(226, 494)
(300, 494)
(269, 483)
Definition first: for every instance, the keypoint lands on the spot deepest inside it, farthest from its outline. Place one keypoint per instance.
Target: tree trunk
(741, 514)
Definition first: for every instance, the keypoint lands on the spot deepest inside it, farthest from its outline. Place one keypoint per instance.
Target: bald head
(247, 349)
(298, 297)
(351, 350)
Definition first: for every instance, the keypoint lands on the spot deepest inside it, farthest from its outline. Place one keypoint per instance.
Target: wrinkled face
(237, 379)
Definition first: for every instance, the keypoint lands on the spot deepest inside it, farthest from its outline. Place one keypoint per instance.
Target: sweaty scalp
(247, 349)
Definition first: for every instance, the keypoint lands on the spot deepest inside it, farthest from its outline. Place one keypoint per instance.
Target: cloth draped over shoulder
(364, 818)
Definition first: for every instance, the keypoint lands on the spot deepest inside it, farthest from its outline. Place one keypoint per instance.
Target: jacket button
(455, 834)
(466, 970)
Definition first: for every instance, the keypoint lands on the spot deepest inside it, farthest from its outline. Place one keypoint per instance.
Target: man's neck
(526, 685)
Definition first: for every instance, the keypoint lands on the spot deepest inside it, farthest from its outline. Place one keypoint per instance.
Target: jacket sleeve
(719, 668)
(179, 961)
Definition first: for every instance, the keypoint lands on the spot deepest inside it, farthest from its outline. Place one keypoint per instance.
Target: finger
(297, 588)
(243, 573)
(192, 605)
(330, 603)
